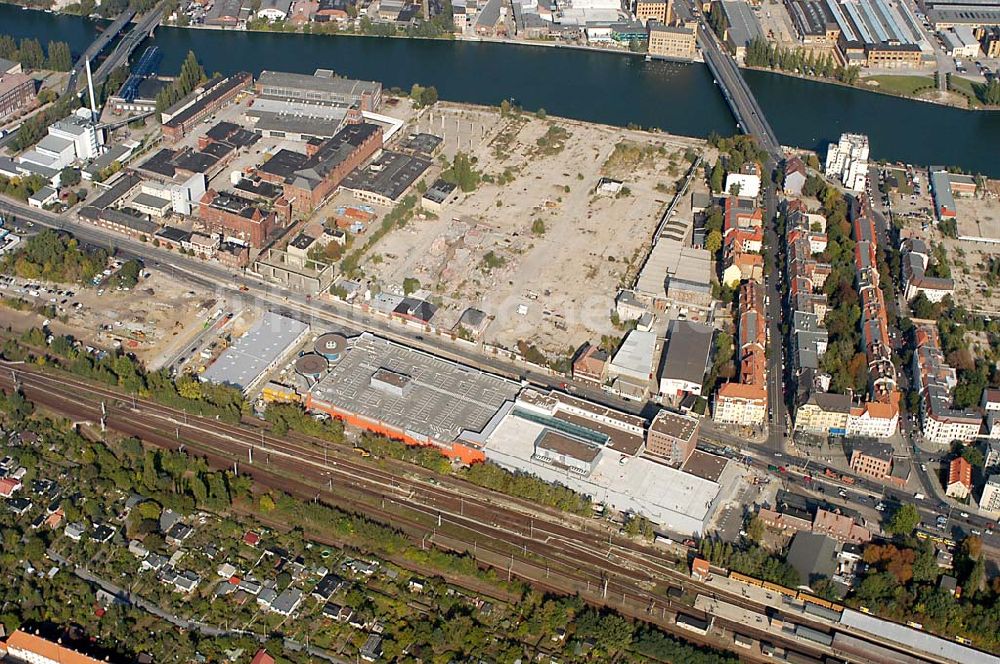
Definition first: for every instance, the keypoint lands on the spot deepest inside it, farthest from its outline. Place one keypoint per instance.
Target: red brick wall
(254, 231)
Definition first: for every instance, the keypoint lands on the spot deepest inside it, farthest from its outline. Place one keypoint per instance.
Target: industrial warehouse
(596, 452)
(384, 387)
(403, 393)
(257, 352)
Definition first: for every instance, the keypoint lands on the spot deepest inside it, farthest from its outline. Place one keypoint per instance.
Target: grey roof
(54, 143)
(743, 25)
(108, 158)
(635, 355)
(439, 191)
(303, 125)
(688, 348)
(390, 176)
(885, 630)
(489, 14)
(173, 234)
(224, 9)
(138, 224)
(149, 200)
(941, 188)
(873, 448)
(472, 317)
(317, 88)
(6, 65)
(73, 125)
(121, 187)
(813, 555)
(280, 5)
(38, 169)
(444, 398)
(831, 402)
(264, 344)
(287, 601)
(43, 194)
(7, 166)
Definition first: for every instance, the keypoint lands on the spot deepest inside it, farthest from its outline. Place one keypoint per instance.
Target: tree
(538, 227)
(904, 521)
(990, 93)
(410, 285)
(717, 180)
(31, 54)
(714, 241)
(266, 503)
(191, 75)
(973, 455)
(429, 97)
(462, 172)
(59, 57)
(69, 177)
(755, 529)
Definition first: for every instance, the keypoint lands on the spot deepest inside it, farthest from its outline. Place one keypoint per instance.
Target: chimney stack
(90, 87)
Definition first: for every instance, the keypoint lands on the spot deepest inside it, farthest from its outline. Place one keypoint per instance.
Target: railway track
(539, 547)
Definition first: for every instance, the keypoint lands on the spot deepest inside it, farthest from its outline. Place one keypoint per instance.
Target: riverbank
(969, 102)
(581, 84)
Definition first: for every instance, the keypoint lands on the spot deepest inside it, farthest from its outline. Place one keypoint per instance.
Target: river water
(609, 88)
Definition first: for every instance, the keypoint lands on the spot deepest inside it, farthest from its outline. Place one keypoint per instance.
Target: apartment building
(990, 500)
(935, 380)
(672, 41)
(959, 479)
(872, 459)
(654, 10)
(672, 436)
(847, 160)
(824, 413)
(740, 404)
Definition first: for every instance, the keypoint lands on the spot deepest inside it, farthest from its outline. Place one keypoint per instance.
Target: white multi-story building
(873, 419)
(183, 196)
(70, 140)
(85, 135)
(940, 422)
(848, 161)
(990, 500)
(740, 404)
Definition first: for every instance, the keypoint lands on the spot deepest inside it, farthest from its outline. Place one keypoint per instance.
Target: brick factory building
(238, 217)
(309, 178)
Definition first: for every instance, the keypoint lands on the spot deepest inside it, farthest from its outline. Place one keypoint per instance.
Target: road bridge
(737, 93)
(97, 47)
(143, 28)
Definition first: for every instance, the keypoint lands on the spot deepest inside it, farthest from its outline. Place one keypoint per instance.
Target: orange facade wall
(454, 450)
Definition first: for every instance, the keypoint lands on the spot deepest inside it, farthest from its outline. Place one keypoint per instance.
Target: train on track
(800, 595)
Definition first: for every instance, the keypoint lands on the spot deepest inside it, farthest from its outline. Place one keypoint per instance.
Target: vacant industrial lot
(536, 246)
(979, 217)
(147, 320)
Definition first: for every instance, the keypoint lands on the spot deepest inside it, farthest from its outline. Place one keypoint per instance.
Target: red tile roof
(960, 471)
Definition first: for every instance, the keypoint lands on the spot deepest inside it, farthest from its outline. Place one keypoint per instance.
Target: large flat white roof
(441, 399)
(243, 363)
(635, 356)
(675, 500)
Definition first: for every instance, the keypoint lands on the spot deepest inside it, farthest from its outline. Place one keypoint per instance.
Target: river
(610, 88)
